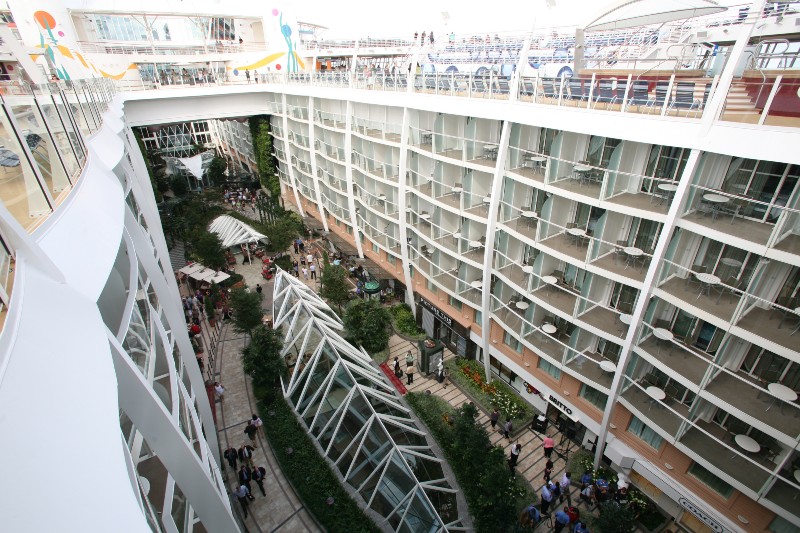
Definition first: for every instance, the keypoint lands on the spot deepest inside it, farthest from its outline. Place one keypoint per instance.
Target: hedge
(405, 322)
(309, 472)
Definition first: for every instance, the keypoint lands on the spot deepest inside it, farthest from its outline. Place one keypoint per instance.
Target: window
(781, 525)
(392, 260)
(594, 396)
(375, 248)
(456, 303)
(551, 369)
(512, 341)
(644, 432)
(710, 480)
(478, 317)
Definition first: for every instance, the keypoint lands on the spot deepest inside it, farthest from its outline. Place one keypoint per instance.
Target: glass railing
(168, 48)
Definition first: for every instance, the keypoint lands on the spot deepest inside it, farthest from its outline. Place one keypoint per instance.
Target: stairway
(739, 106)
(176, 256)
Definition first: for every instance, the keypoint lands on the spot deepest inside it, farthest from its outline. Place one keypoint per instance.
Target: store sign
(436, 312)
(564, 408)
(707, 520)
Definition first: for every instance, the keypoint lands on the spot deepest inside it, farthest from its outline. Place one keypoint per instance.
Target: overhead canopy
(634, 13)
(341, 245)
(194, 165)
(191, 268)
(233, 232)
(209, 275)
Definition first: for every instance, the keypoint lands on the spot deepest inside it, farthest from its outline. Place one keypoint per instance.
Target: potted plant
(211, 312)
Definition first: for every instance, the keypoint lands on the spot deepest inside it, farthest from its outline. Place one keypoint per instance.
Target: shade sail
(191, 268)
(634, 13)
(194, 165)
(233, 232)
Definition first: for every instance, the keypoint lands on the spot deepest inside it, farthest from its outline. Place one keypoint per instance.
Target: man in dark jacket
(245, 475)
(258, 475)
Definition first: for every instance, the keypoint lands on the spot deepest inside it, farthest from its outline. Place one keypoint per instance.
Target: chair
(671, 391)
(661, 95)
(731, 287)
(684, 95)
(605, 92)
(577, 91)
(548, 87)
(734, 208)
(696, 269)
(640, 93)
(619, 250)
(559, 275)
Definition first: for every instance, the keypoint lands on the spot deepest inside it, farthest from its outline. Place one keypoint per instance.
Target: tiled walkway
(531, 461)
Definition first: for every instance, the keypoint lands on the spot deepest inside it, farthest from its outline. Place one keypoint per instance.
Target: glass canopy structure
(357, 419)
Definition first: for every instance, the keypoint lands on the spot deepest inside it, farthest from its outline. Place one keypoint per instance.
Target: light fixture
(668, 466)
(743, 520)
(612, 426)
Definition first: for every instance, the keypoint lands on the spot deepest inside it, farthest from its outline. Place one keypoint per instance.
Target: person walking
(258, 288)
(256, 421)
(565, 483)
(561, 520)
(409, 358)
(313, 270)
(247, 74)
(514, 456)
(310, 258)
(258, 475)
(246, 454)
(305, 273)
(548, 470)
(547, 497)
(548, 446)
(245, 475)
(410, 374)
(219, 391)
(508, 427)
(232, 456)
(241, 494)
(296, 246)
(494, 417)
(252, 431)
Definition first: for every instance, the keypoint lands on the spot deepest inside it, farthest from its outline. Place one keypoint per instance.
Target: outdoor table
(550, 280)
(656, 395)
(747, 444)
(491, 150)
(457, 190)
(477, 284)
(625, 319)
(529, 217)
(608, 366)
(706, 282)
(663, 335)
(549, 329)
(731, 264)
(522, 305)
(536, 161)
(425, 216)
(487, 200)
(716, 201)
(457, 236)
(576, 234)
(528, 269)
(780, 391)
(633, 254)
(426, 137)
(475, 244)
(668, 188)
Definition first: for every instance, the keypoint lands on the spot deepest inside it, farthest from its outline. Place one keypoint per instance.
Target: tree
(367, 324)
(614, 518)
(261, 359)
(207, 247)
(283, 231)
(179, 186)
(216, 171)
(246, 307)
(334, 286)
(262, 147)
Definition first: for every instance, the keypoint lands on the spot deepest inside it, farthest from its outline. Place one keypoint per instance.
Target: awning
(233, 232)
(635, 13)
(342, 245)
(313, 224)
(375, 270)
(209, 275)
(191, 269)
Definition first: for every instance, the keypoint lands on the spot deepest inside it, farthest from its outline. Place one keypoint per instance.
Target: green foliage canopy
(246, 307)
(261, 358)
(367, 324)
(334, 285)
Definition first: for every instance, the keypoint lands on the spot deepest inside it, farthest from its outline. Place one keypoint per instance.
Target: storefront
(441, 326)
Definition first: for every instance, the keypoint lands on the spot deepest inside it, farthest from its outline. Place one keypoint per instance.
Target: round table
(663, 334)
(145, 484)
(731, 262)
(549, 329)
(655, 394)
(706, 282)
(633, 254)
(577, 232)
(608, 366)
(458, 190)
(582, 168)
(667, 187)
(626, 319)
(425, 216)
(522, 305)
(536, 160)
(716, 198)
(457, 235)
(747, 444)
(382, 197)
(550, 280)
(528, 269)
(476, 284)
(475, 244)
(487, 199)
(781, 392)
(528, 214)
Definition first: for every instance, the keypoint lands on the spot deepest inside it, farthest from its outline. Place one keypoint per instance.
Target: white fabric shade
(191, 269)
(635, 13)
(233, 232)
(194, 165)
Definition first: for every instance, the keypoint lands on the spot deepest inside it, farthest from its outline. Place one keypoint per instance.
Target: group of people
(410, 368)
(248, 472)
(422, 39)
(307, 266)
(240, 197)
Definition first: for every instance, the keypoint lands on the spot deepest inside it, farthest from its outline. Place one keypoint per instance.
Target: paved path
(531, 462)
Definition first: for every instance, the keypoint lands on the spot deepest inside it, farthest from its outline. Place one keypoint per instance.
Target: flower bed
(470, 375)
(495, 498)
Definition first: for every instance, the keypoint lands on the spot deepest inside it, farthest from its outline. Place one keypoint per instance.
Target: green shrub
(284, 262)
(405, 322)
(308, 471)
(367, 324)
(494, 497)
(231, 281)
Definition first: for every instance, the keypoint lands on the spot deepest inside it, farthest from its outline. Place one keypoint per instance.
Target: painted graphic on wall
(293, 61)
(56, 54)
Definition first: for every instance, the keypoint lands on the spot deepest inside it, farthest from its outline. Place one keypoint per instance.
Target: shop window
(710, 480)
(645, 433)
(551, 369)
(594, 396)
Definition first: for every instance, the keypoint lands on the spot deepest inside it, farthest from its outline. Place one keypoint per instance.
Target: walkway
(531, 461)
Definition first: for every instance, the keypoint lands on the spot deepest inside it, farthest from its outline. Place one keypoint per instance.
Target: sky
(400, 19)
